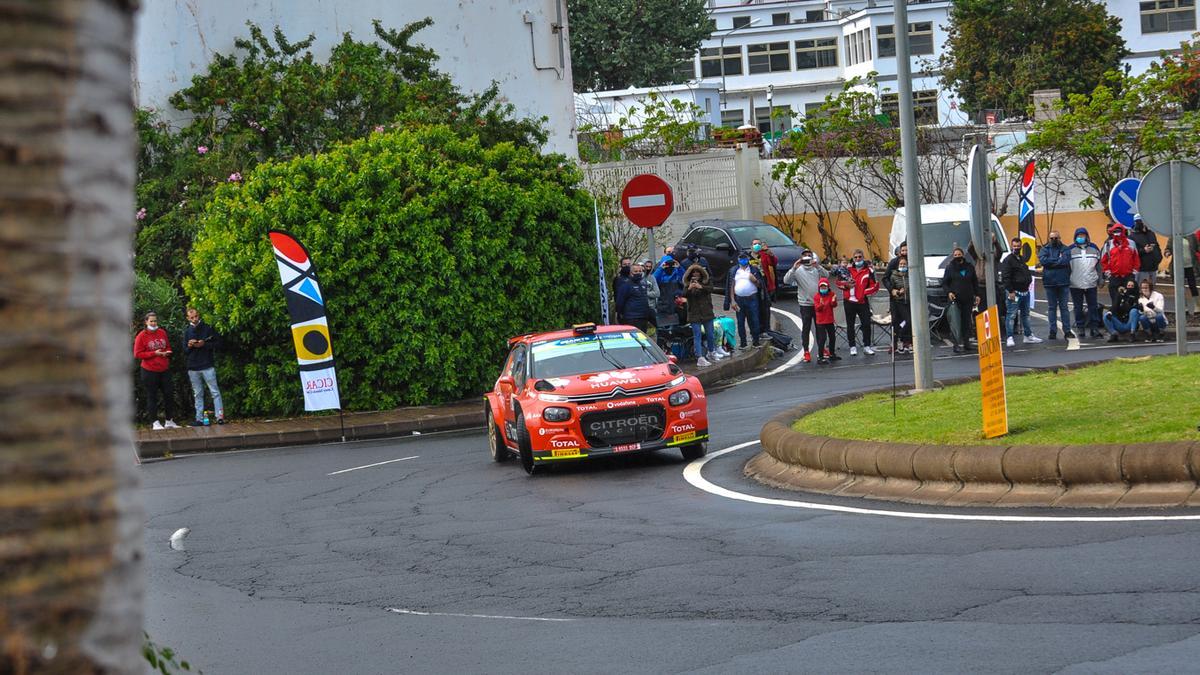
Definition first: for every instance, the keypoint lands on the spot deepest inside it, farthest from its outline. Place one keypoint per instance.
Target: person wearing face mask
(1055, 261)
(805, 275)
(767, 264)
(1085, 278)
(633, 304)
(1150, 255)
(1120, 262)
(1015, 279)
(670, 286)
(856, 292)
(824, 301)
(1152, 316)
(1122, 318)
(199, 347)
(152, 348)
(742, 289)
(897, 285)
(700, 315)
(694, 258)
(960, 282)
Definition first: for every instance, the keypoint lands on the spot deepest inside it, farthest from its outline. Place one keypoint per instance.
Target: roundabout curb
(1139, 475)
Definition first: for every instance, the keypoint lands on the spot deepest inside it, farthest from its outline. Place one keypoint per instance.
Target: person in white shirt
(743, 289)
(1151, 316)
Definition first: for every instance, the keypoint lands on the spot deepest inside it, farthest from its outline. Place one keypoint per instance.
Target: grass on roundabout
(1137, 400)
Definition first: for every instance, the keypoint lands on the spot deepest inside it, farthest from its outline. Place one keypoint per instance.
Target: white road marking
(692, 473)
(367, 466)
(177, 538)
(647, 200)
(791, 362)
(414, 612)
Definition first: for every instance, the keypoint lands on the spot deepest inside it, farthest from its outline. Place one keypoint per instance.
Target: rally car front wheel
(694, 451)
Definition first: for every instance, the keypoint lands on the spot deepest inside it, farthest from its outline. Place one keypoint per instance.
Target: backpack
(781, 340)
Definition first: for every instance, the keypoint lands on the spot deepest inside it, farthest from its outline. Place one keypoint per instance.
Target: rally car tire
(495, 442)
(525, 447)
(694, 451)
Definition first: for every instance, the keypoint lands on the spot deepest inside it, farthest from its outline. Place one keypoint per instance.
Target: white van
(944, 226)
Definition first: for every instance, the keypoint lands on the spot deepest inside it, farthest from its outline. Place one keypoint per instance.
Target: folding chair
(881, 319)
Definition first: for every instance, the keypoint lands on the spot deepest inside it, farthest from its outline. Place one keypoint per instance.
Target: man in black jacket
(1149, 252)
(1015, 279)
(199, 346)
(960, 283)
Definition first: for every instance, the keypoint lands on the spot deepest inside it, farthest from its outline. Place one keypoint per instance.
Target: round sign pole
(1169, 203)
(647, 201)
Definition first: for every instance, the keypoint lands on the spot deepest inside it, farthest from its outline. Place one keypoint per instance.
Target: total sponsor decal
(586, 408)
(682, 427)
(570, 444)
(656, 399)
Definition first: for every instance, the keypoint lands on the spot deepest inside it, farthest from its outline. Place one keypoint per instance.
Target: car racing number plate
(627, 448)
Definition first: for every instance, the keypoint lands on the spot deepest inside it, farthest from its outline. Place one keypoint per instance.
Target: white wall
(478, 41)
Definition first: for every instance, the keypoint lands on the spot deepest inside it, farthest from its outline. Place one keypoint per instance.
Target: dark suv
(721, 240)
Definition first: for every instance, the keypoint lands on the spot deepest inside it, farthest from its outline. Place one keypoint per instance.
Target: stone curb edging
(458, 416)
(1092, 476)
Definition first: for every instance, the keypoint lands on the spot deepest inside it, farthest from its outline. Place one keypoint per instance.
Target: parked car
(944, 226)
(592, 391)
(721, 240)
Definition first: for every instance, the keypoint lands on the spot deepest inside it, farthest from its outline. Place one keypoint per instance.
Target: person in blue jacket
(670, 285)
(632, 304)
(1055, 260)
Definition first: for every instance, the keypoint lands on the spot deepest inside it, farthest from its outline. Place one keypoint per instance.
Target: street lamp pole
(721, 55)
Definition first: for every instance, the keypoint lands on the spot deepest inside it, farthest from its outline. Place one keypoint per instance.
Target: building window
(858, 47)
(925, 110)
(768, 58)
(710, 61)
(733, 118)
(920, 39)
(685, 71)
(819, 53)
(1166, 16)
(814, 15)
(814, 109)
(781, 19)
(741, 21)
(783, 119)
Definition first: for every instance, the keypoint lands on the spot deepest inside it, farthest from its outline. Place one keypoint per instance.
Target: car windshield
(744, 235)
(939, 239)
(580, 354)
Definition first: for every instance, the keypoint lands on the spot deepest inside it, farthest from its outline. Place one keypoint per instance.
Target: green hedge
(431, 250)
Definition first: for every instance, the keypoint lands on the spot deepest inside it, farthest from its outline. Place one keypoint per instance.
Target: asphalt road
(446, 562)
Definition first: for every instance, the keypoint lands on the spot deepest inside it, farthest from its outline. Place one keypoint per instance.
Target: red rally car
(589, 392)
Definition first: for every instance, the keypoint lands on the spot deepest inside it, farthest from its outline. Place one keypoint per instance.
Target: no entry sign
(647, 200)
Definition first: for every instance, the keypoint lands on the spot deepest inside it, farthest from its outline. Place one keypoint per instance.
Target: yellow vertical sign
(991, 374)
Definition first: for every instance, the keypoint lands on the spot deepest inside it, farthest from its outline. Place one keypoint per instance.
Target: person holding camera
(700, 314)
(1122, 319)
(199, 348)
(805, 275)
(1152, 315)
(1015, 280)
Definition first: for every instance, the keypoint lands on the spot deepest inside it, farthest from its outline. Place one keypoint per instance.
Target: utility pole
(917, 297)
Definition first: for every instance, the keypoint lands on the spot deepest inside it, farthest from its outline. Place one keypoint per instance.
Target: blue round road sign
(1122, 201)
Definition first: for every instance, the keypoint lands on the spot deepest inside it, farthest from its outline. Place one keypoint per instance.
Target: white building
(521, 44)
(799, 51)
(606, 109)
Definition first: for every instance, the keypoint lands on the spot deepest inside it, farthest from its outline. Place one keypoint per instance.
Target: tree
(616, 44)
(1122, 128)
(660, 127)
(71, 530)
(998, 53)
(1180, 72)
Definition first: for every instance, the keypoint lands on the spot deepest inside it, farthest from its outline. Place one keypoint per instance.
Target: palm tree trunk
(70, 527)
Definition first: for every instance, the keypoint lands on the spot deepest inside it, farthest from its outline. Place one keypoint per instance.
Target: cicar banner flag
(310, 327)
(1026, 227)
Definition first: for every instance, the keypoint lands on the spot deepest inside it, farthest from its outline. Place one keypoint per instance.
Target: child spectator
(823, 303)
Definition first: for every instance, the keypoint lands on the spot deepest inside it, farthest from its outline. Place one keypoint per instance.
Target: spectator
(1151, 315)
(897, 285)
(856, 292)
(1015, 280)
(768, 264)
(823, 303)
(1056, 277)
(698, 292)
(670, 284)
(622, 273)
(1190, 253)
(960, 283)
(1150, 254)
(199, 348)
(694, 257)
(152, 347)
(805, 275)
(633, 304)
(1122, 319)
(1120, 262)
(742, 289)
(901, 252)
(1085, 278)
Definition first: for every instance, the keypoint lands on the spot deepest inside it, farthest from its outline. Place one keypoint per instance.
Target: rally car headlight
(681, 397)
(555, 414)
(677, 381)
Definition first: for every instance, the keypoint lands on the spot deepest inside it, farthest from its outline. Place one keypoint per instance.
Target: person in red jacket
(823, 303)
(153, 348)
(1120, 261)
(856, 292)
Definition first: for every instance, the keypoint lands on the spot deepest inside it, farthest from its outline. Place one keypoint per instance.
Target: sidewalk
(359, 426)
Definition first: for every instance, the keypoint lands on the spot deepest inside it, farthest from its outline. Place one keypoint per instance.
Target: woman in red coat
(153, 348)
